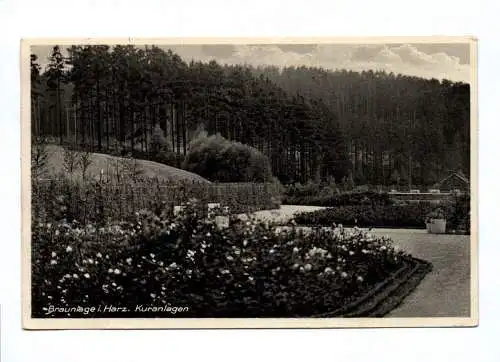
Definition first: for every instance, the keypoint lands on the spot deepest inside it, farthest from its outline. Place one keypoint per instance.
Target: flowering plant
(437, 213)
(248, 269)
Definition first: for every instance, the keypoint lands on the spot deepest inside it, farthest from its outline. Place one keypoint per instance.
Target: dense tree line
(398, 126)
(310, 122)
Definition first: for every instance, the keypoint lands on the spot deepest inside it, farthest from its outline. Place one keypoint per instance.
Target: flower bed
(245, 270)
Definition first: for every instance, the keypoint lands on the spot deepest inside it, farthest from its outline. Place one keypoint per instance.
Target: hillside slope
(108, 164)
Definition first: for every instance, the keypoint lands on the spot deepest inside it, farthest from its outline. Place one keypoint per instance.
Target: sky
(441, 61)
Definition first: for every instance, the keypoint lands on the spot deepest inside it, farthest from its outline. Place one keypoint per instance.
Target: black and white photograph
(249, 183)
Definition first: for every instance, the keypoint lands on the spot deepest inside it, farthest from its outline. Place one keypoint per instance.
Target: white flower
(117, 271)
(230, 258)
(295, 250)
(173, 265)
(69, 249)
(250, 278)
(344, 275)
(54, 254)
(308, 267)
(129, 261)
(99, 255)
(110, 271)
(53, 262)
(359, 278)
(75, 276)
(328, 270)
(271, 251)
(86, 275)
(295, 266)
(91, 261)
(351, 252)
(153, 295)
(208, 234)
(152, 256)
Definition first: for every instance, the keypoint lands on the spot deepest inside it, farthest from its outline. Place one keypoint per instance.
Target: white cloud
(405, 59)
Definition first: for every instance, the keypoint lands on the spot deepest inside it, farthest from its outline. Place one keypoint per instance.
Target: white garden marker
(178, 209)
(222, 221)
(213, 205)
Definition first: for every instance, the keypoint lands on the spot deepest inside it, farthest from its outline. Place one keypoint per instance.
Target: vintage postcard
(249, 183)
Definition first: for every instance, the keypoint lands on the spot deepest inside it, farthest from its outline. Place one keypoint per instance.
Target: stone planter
(436, 226)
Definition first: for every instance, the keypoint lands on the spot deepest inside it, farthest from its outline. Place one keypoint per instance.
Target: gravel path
(445, 292)
(283, 214)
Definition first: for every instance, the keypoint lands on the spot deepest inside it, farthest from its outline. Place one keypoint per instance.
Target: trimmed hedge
(411, 215)
(94, 201)
(389, 216)
(316, 195)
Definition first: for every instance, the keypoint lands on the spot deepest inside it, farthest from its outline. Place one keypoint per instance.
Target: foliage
(308, 121)
(459, 214)
(246, 270)
(72, 160)
(322, 195)
(39, 157)
(97, 201)
(437, 213)
(369, 215)
(219, 159)
(85, 160)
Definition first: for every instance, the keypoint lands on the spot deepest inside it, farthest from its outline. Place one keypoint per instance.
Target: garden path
(283, 214)
(444, 292)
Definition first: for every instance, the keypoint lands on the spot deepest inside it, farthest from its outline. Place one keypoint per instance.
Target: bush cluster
(370, 215)
(380, 212)
(218, 159)
(248, 269)
(314, 194)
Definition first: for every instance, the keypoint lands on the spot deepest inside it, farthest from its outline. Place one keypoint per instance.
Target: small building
(453, 182)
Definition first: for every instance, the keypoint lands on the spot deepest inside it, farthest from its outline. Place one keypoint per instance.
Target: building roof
(457, 175)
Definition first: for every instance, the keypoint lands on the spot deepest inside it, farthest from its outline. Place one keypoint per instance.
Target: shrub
(319, 195)
(370, 215)
(458, 214)
(39, 157)
(219, 159)
(245, 270)
(437, 213)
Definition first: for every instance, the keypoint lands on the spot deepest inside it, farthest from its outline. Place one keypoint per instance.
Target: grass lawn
(105, 162)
